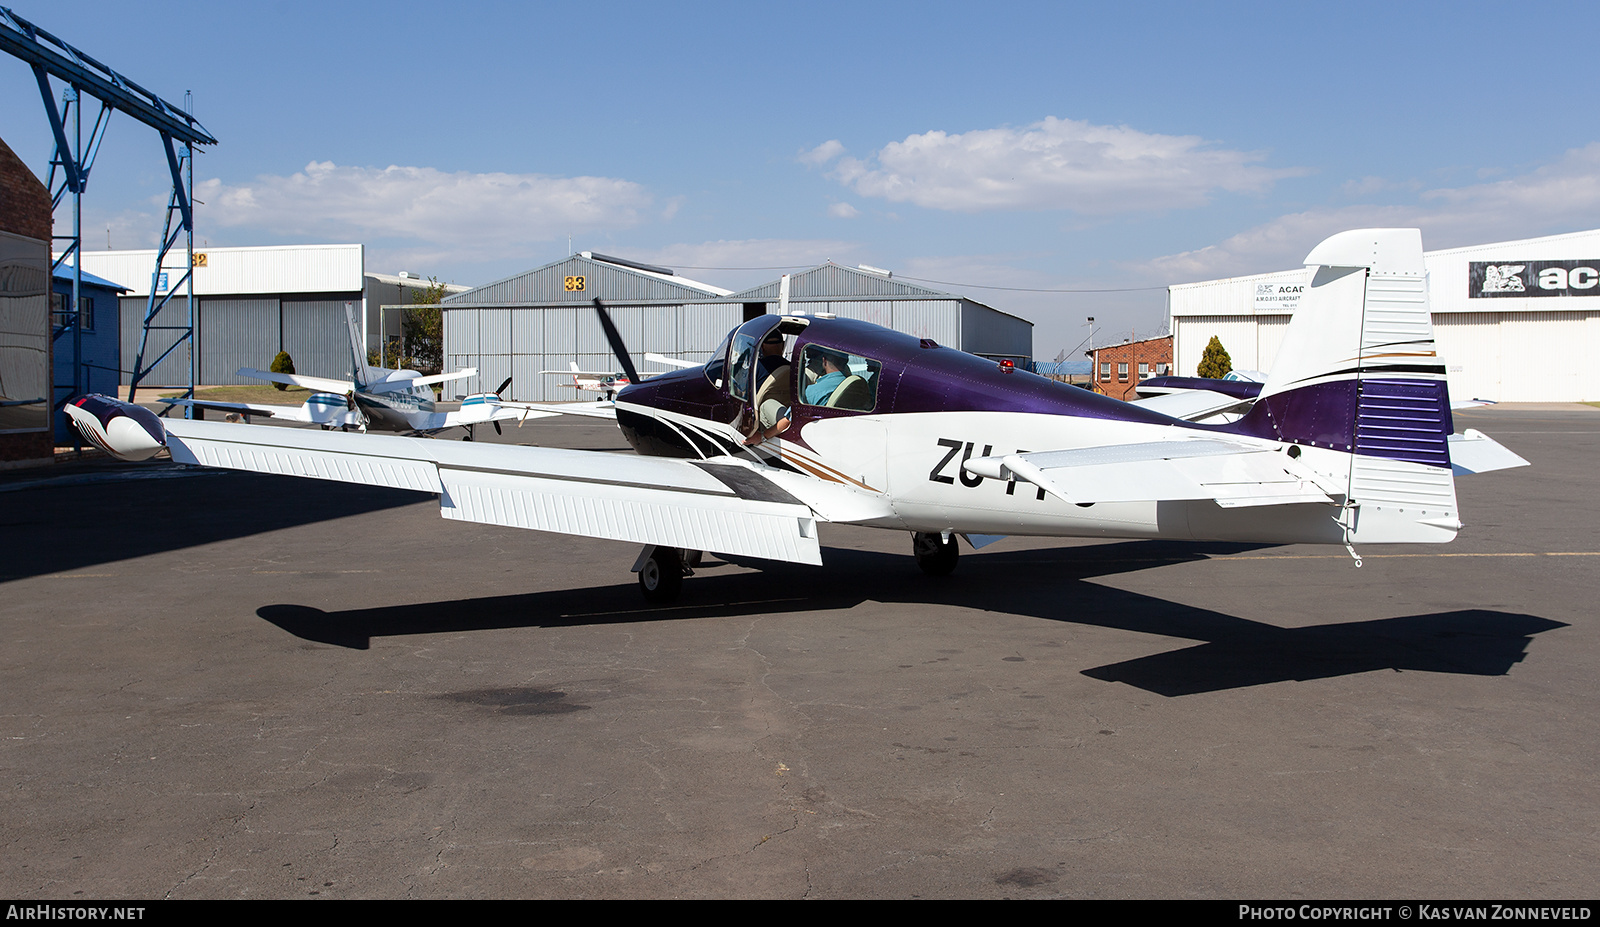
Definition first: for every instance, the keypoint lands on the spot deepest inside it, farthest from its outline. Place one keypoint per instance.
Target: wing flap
(724, 524)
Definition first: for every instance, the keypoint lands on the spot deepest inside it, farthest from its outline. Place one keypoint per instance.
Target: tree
(1215, 362)
(283, 363)
(424, 326)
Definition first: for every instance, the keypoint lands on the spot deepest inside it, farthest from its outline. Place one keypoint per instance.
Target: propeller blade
(617, 347)
(502, 387)
(496, 424)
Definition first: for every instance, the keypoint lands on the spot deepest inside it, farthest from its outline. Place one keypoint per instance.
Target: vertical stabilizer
(1359, 373)
(358, 351)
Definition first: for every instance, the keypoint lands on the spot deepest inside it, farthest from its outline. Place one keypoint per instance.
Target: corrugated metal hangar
(251, 304)
(1515, 321)
(543, 319)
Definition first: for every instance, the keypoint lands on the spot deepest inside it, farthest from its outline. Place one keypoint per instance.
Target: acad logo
(1502, 278)
(1533, 278)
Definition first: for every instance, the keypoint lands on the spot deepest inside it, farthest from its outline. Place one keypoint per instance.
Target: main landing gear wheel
(935, 555)
(661, 575)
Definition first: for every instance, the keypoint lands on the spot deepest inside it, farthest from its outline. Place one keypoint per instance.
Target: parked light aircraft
(609, 383)
(1350, 441)
(376, 398)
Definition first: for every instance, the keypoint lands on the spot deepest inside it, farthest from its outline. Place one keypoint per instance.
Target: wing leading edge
(646, 500)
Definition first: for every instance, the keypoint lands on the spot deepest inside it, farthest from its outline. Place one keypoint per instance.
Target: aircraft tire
(661, 576)
(935, 556)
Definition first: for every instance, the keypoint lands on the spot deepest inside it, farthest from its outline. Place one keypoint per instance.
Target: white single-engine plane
(1350, 441)
(608, 384)
(376, 398)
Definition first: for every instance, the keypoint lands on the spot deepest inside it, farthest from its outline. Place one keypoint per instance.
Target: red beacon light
(1007, 365)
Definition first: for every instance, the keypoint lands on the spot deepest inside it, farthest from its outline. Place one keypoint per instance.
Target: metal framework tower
(74, 157)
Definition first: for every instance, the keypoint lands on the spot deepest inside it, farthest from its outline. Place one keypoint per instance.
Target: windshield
(744, 354)
(742, 361)
(718, 362)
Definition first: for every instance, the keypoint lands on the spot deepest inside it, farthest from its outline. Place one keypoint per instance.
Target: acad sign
(1278, 297)
(1487, 279)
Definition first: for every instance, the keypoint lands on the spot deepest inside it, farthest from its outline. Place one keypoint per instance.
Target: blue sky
(1040, 147)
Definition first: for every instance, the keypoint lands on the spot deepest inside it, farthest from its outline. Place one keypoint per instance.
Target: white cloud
(823, 153)
(1053, 164)
(843, 211)
(1560, 196)
(460, 213)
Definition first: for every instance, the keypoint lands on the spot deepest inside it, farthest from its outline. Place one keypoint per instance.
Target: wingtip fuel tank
(121, 429)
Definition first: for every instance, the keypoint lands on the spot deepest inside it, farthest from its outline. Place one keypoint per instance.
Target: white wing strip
(648, 500)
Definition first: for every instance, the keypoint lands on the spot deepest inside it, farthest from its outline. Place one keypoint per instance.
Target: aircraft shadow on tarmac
(110, 512)
(1049, 584)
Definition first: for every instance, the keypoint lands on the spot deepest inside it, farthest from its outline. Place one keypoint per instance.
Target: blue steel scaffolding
(72, 160)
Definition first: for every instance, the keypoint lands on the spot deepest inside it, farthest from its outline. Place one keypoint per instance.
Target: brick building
(1118, 368)
(25, 229)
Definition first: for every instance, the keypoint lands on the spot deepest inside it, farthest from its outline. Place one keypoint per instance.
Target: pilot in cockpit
(772, 358)
(772, 392)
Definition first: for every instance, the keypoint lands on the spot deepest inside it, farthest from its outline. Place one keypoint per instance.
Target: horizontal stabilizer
(1475, 452)
(1232, 474)
(389, 386)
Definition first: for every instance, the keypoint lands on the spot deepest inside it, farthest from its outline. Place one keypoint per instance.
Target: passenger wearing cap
(772, 358)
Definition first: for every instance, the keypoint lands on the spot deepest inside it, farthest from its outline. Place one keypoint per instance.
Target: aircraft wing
(290, 413)
(479, 410)
(320, 384)
(605, 410)
(728, 508)
(669, 361)
(1192, 405)
(601, 374)
(1232, 473)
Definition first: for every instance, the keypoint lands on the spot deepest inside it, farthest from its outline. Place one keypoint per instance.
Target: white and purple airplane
(1349, 441)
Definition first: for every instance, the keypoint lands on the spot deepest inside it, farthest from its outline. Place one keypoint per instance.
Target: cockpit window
(838, 380)
(743, 358)
(745, 355)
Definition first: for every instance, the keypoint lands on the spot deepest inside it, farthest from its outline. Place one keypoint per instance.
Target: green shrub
(283, 363)
(1215, 362)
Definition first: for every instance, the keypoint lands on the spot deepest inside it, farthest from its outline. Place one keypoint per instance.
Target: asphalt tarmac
(224, 685)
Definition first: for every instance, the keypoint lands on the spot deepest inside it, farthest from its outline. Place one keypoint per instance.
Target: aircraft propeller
(617, 347)
(498, 390)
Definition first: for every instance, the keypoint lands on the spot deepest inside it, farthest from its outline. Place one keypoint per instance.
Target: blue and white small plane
(376, 398)
(1349, 441)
